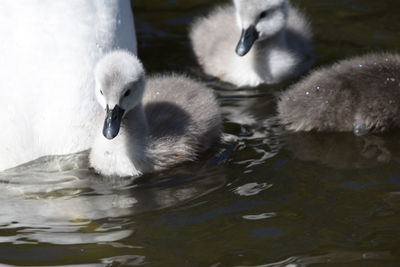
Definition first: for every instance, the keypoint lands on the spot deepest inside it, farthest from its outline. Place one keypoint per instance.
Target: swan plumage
(360, 94)
(151, 123)
(272, 40)
(48, 51)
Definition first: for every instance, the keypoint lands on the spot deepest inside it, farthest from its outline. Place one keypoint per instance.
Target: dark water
(261, 198)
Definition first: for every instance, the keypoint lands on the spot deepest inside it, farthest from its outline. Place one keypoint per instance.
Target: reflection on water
(52, 206)
(345, 150)
(58, 200)
(337, 257)
(263, 197)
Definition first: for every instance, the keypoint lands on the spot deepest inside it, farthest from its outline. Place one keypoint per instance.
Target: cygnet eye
(101, 92)
(127, 93)
(263, 14)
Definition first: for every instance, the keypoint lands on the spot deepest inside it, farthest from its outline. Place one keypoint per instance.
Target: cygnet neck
(269, 57)
(135, 123)
(278, 41)
(126, 154)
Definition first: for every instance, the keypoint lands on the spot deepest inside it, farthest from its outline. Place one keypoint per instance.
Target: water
(261, 198)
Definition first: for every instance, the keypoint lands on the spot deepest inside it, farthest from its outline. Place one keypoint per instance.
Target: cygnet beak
(247, 39)
(112, 122)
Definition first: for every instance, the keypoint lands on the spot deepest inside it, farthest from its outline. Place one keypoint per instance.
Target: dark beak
(112, 122)
(247, 39)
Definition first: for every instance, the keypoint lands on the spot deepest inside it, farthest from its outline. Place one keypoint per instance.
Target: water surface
(261, 198)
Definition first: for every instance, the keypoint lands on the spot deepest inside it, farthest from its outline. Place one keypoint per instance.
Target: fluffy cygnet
(360, 94)
(149, 125)
(253, 42)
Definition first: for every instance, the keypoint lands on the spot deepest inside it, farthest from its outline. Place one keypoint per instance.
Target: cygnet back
(183, 117)
(360, 94)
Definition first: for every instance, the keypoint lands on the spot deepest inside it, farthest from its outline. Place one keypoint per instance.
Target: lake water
(261, 198)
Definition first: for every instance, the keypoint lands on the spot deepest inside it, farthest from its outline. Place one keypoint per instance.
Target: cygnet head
(120, 80)
(259, 20)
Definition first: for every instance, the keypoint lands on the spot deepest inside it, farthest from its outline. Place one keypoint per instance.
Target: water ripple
(261, 216)
(251, 189)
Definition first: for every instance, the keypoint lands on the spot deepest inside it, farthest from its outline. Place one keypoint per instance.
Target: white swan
(275, 42)
(48, 51)
(150, 125)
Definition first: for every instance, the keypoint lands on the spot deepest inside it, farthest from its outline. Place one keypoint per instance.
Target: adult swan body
(49, 50)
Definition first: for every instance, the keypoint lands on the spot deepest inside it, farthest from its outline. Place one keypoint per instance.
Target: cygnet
(361, 94)
(149, 124)
(253, 42)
